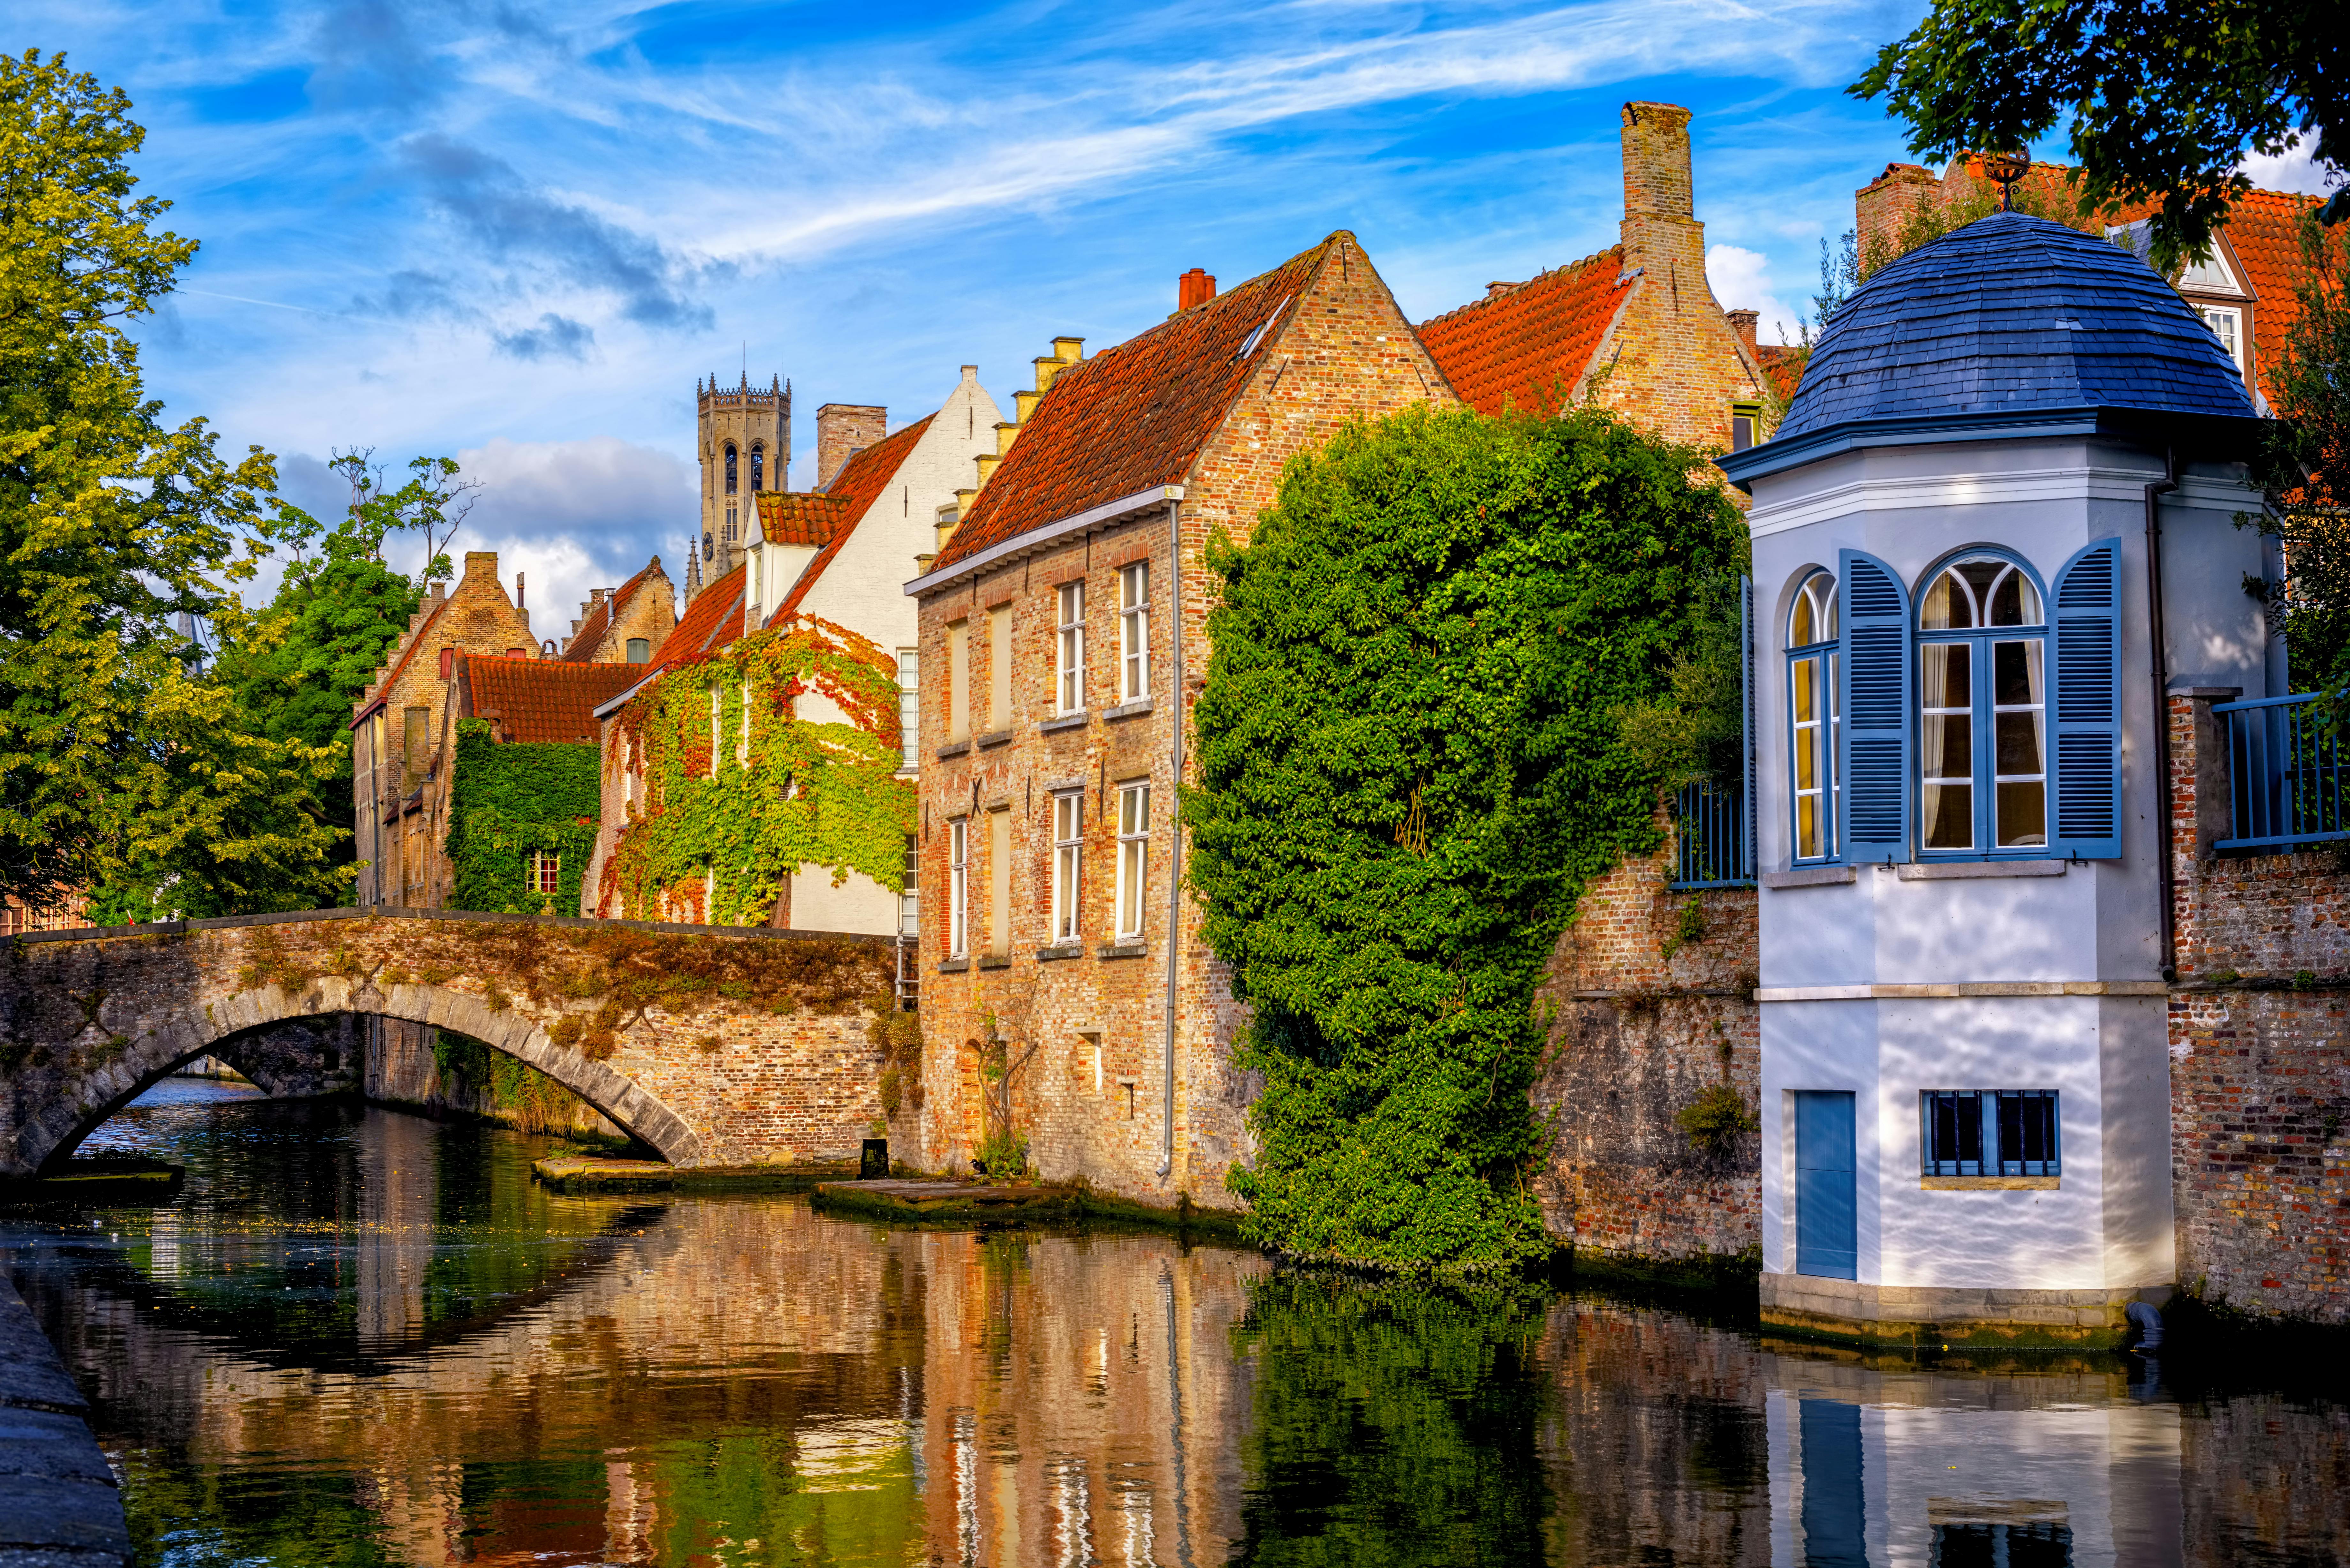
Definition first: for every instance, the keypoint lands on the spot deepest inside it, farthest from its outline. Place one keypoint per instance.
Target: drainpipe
(2167, 874)
(1175, 833)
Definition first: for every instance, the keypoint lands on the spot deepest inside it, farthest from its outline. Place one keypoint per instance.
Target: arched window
(1982, 707)
(758, 467)
(1812, 715)
(729, 468)
(640, 649)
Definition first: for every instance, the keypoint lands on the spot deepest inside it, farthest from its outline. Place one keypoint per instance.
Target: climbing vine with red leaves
(778, 752)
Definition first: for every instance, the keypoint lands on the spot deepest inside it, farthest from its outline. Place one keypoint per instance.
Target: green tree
(116, 750)
(2304, 469)
(1412, 758)
(2163, 99)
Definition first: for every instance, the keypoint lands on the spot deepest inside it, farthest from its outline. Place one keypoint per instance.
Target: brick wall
(1640, 1034)
(842, 431)
(2260, 1050)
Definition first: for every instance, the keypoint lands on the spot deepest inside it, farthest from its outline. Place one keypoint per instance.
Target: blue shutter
(2087, 771)
(1873, 682)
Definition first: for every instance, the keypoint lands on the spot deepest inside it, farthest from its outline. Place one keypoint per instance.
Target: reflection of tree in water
(1392, 1423)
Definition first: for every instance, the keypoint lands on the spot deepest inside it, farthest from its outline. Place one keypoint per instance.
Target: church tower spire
(743, 443)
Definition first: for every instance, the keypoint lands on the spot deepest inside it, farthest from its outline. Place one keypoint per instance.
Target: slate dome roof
(2007, 316)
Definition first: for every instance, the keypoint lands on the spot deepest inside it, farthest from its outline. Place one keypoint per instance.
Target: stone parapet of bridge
(714, 1046)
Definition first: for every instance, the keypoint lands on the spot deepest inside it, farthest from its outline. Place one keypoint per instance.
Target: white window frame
(545, 868)
(1069, 866)
(1133, 858)
(959, 888)
(1069, 650)
(910, 710)
(1134, 632)
(2232, 339)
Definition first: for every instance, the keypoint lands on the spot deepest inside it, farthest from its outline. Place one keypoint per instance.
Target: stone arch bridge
(714, 1046)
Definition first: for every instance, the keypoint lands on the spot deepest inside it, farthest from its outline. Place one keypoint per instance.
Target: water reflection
(359, 1336)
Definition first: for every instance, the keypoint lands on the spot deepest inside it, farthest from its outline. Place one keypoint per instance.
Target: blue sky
(517, 233)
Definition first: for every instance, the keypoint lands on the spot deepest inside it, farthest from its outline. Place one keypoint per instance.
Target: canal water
(359, 1336)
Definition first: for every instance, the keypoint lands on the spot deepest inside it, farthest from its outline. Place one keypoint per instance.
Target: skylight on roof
(1257, 336)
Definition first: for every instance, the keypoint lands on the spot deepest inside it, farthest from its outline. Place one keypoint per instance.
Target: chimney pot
(1657, 161)
(1742, 323)
(1194, 287)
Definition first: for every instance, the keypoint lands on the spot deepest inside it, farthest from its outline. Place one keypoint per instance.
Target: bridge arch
(84, 1100)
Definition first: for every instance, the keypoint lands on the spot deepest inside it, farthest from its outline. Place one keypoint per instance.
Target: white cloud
(1741, 281)
(2295, 169)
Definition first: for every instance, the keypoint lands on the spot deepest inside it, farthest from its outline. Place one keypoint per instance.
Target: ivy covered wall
(509, 802)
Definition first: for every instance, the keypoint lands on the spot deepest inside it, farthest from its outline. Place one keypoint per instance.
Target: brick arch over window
(49, 1133)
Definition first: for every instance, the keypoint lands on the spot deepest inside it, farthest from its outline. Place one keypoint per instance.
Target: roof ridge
(1490, 298)
(1196, 312)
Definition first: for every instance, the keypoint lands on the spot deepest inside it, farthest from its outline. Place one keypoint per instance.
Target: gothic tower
(743, 437)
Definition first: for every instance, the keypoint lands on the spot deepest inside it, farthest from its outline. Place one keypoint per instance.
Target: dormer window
(2227, 324)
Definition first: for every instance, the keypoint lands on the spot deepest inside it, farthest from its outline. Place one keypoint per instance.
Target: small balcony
(2287, 788)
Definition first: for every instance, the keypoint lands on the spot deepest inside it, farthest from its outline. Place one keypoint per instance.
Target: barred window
(1990, 1132)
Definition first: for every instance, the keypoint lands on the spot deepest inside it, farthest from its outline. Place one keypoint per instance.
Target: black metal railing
(2287, 786)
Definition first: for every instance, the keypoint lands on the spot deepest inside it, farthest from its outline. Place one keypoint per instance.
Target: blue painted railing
(2287, 782)
(1715, 848)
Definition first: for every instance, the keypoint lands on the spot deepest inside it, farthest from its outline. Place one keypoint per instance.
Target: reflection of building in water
(397, 1209)
(1951, 1470)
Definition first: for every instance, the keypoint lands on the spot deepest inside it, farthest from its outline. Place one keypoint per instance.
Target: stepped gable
(859, 484)
(805, 517)
(2011, 315)
(1529, 345)
(581, 648)
(539, 700)
(401, 652)
(1135, 416)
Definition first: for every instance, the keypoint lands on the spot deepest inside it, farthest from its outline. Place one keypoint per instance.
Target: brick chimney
(1880, 207)
(1194, 287)
(842, 429)
(1742, 323)
(1661, 233)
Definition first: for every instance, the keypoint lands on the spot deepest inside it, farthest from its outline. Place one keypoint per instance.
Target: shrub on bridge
(1412, 759)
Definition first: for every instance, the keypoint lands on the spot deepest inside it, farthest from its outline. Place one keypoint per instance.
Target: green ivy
(1412, 763)
(510, 802)
(786, 791)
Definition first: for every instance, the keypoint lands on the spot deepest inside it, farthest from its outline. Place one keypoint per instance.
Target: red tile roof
(382, 692)
(713, 620)
(541, 700)
(859, 482)
(2264, 229)
(800, 516)
(1527, 346)
(1137, 415)
(581, 648)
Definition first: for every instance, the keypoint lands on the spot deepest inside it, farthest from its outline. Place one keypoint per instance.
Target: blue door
(1827, 1220)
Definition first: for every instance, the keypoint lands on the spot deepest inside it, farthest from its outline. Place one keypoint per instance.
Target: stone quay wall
(716, 1046)
(1652, 995)
(2260, 1053)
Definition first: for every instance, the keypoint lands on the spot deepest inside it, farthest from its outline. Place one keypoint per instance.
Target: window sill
(1967, 870)
(1811, 877)
(1989, 1183)
(994, 738)
(1123, 951)
(1061, 950)
(996, 961)
(954, 749)
(1075, 721)
(1134, 709)
(954, 966)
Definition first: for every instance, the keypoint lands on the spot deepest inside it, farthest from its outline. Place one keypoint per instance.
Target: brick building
(626, 625)
(1635, 328)
(396, 726)
(1062, 635)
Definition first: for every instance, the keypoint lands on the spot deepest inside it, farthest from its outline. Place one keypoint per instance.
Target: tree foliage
(509, 802)
(2304, 469)
(118, 752)
(1412, 762)
(2162, 99)
(747, 777)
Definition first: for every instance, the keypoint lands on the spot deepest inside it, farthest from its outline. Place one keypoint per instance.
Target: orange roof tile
(800, 516)
(713, 620)
(542, 699)
(581, 648)
(1528, 346)
(2264, 228)
(1134, 415)
(859, 482)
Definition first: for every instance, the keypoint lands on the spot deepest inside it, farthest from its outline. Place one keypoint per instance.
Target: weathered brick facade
(1654, 1007)
(1092, 1098)
(2259, 1052)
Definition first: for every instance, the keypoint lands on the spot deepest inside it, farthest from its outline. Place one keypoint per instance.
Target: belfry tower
(744, 438)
